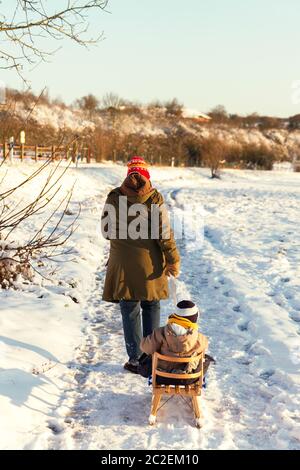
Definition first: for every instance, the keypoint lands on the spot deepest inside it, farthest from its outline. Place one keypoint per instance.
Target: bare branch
(34, 20)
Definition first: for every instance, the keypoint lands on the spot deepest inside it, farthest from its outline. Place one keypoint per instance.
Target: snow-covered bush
(17, 256)
(13, 266)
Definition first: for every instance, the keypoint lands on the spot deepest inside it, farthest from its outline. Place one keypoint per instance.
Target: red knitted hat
(138, 165)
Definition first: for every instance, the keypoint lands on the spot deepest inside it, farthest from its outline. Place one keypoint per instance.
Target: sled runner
(190, 390)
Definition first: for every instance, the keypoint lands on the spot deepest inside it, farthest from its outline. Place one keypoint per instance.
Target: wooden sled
(192, 391)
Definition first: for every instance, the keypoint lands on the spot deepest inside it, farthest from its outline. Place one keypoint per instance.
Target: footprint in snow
(98, 320)
(288, 295)
(237, 308)
(296, 305)
(55, 427)
(295, 317)
(267, 374)
(245, 361)
(244, 326)
(249, 347)
(271, 294)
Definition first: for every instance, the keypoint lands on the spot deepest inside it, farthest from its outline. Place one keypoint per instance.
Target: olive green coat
(136, 268)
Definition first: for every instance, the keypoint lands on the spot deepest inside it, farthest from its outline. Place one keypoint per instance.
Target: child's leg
(151, 316)
(131, 318)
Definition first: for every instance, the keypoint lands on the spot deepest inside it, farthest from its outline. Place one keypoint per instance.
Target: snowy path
(245, 280)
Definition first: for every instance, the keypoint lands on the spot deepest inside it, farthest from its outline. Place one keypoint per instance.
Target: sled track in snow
(109, 407)
(245, 395)
(210, 289)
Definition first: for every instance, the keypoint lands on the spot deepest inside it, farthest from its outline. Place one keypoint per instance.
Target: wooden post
(53, 152)
(22, 152)
(36, 151)
(88, 156)
(11, 149)
(5, 149)
(75, 151)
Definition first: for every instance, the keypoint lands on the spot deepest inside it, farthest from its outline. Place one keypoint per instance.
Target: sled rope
(172, 396)
(172, 285)
(186, 401)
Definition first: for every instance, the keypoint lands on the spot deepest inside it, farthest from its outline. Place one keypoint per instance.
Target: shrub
(213, 152)
(192, 146)
(257, 156)
(174, 108)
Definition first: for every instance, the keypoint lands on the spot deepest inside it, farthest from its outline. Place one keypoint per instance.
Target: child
(180, 337)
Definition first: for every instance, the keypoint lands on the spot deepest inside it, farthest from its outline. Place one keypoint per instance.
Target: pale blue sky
(243, 54)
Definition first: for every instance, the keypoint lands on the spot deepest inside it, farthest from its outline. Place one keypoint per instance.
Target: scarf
(182, 321)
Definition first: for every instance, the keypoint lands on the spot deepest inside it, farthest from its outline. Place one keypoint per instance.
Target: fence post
(5, 150)
(88, 157)
(36, 151)
(75, 151)
(22, 151)
(11, 149)
(53, 152)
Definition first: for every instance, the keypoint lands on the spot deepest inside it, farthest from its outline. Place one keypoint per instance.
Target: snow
(193, 113)
(283, 166)
(62, 383)
(57, 117)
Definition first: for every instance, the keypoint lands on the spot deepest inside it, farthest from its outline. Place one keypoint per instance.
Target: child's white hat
(187, 309)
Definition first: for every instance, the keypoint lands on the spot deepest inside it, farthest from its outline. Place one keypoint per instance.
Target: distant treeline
(177, 144)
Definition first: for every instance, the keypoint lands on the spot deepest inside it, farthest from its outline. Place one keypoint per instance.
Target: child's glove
(173, 269)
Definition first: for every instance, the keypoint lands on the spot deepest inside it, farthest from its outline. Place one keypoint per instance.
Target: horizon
(141, 104)
(237, 55)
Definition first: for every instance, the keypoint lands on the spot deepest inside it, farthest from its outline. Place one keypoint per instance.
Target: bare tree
(219, 114)
(28, 23)
(213, 154)
(88, 103)
(174, 108)
(16, 257)
(112, 100)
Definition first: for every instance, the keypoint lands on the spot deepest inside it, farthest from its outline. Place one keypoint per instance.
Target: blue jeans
(132, 324)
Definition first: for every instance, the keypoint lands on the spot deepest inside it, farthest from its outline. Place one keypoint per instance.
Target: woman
(139, 260)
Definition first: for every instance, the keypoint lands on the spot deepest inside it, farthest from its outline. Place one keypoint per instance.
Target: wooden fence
(37, 152)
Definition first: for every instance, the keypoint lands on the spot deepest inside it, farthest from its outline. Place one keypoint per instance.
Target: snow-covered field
(62, 384)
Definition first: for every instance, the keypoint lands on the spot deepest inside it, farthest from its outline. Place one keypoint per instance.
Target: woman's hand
(173, 269)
